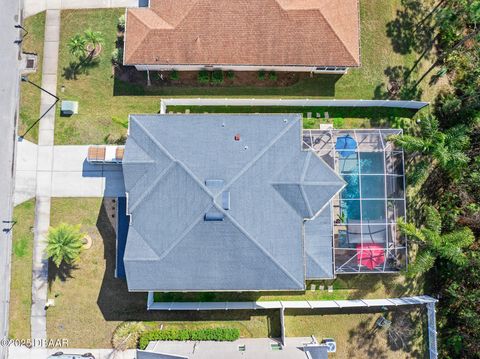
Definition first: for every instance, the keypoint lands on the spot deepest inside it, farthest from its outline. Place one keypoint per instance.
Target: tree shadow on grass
(411, 30)
(400, 85)
(81, 67)
(62, 273)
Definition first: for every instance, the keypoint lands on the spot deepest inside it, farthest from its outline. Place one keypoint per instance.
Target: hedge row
(216, 334)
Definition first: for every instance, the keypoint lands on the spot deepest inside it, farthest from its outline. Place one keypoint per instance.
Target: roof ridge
(306, 162)
(146, 31)
(261, 153)
(181, 164)
(152, 185)
(264, 251)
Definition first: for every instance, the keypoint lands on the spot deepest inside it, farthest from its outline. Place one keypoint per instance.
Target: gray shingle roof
(266, 181)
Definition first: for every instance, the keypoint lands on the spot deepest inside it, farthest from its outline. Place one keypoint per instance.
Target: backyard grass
(356, 334)
(98, 91)
(21, 281)
(30, 95)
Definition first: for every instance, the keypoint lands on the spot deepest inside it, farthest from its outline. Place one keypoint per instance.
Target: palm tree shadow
(83, 66)
(62, 273)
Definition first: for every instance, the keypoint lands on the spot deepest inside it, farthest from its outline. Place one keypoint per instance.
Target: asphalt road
(9, 91)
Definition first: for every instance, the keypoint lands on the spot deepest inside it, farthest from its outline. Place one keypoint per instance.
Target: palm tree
(77, 45)
(446, 148)
(64, 244)
(433, 244)
(93, 39)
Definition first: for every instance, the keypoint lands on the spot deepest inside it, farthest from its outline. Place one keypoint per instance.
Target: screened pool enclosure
(366, 237)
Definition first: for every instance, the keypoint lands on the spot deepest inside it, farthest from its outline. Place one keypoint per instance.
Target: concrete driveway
(71, 175)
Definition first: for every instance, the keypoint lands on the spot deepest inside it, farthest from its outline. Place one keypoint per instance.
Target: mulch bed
(190, 78)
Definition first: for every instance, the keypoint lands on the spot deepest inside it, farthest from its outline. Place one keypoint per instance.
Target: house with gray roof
(225, 203)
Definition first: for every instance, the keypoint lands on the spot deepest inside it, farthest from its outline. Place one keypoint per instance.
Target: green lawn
(21, 284)
(341, 117)
(357, 336)
(30, 95)
(88, 296)
(98, 91)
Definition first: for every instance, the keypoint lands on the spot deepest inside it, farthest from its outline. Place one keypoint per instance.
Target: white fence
(164, 103)
(426, 300)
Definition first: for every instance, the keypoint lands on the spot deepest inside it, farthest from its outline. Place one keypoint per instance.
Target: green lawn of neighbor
(97, 90)
(21, 283)
(30, 95)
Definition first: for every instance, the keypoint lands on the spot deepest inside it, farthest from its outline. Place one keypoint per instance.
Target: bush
(174, 75)
(121, 23)
(261, 75)
(204, 76)
(126, 335)
(215, 334)
(338, 122)
(117, 56)
(230, 74)
(272, 76)
(217, 77)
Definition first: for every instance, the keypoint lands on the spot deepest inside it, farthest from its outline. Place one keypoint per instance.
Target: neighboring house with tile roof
(225, 203)
(244, 35)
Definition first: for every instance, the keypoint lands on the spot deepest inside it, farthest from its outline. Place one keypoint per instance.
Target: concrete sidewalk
(44, 176)
(32, 7)
(26, 353)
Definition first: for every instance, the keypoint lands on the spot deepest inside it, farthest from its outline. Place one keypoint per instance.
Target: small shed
(69, 108)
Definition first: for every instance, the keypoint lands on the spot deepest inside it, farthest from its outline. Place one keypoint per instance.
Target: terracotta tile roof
(244, 32)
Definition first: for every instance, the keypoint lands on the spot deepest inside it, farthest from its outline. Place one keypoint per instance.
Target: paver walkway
(44, 176)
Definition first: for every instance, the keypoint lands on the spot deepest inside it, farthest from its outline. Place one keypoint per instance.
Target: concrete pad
(50, 65)
(52, 33)
(72, 159)
(74, 184)
(25, 186)
(46, 137)
(44, 184)
(50, 50)
(45, 158)
(53, 16)
(49, 83)
(26, 159)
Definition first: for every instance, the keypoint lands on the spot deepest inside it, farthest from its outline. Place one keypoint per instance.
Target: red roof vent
(237, 137)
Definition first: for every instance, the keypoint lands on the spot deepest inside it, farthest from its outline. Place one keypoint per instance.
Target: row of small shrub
(272, 75)
(216, 76)
(215, 334)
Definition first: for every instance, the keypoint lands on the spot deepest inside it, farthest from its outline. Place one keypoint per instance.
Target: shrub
(117, 56)
(174, 75)
(261, 75)
(272, 76)
(204, 76)
(230, 74)
(338, 122)
(215, 334)
(217, 77)
(126, 335)
(121, 23)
